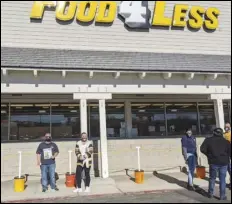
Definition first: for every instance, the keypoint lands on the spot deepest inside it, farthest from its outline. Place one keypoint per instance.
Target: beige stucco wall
(156, 154)
(18, 31)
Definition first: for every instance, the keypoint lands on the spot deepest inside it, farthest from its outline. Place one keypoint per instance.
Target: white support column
(128, 118)
(83, 115)
(219, 113)
(103, 140)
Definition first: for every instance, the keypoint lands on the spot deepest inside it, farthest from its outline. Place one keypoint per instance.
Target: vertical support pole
(219, 113)
(103, 140)
(83, 110)
(128, 119)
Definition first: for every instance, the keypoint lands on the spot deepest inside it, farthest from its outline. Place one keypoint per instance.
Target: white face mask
(189, 133)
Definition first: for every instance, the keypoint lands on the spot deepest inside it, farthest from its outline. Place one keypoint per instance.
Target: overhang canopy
(113, 61)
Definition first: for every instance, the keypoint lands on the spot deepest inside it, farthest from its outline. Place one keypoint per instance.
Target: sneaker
(223, 198)
(77, 190)
(87, 190)
(210, 196)
(55, 189)
(44, 190)
(190, 188)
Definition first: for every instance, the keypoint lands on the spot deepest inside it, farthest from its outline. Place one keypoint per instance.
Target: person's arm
(38, 155)
(89, 150)
(77, 151)
(184, 149)
(204, 147)
(196, 147)
(56, 150)
(229, 149)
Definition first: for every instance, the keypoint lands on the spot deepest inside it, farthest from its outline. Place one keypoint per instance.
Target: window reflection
(115, 120)
(207, 118)
(4, 121)
(29, 121)
(180, 117)
(65, 120)
(226, 112)
(94, 125)
(148, 119)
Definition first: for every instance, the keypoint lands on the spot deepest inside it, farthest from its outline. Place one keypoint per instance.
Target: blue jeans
(213, 169)
(229, 171)
(45, 170)
(191, 167)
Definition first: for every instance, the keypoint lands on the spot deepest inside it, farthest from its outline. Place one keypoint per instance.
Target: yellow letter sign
(101, 16)
(70, 13)
(38, 8)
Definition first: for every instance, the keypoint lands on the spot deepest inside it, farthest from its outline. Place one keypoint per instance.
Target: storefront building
(127, 74)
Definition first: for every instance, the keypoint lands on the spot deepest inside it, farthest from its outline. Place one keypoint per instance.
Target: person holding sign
(46, 152)
(84, 151)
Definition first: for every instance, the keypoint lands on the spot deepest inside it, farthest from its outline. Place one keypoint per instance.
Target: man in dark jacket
(189, 151)
(218, 151)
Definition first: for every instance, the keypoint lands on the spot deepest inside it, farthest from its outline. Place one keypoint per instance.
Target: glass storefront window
(4, 122)
(94, 124)
(65, 120)
(207, 118)
(227, 114)
(115, 120)
(29, 121)
(148, 119)
(180, 117)
(32, 121)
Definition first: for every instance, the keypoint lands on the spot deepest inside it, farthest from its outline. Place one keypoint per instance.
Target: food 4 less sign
(135, 13)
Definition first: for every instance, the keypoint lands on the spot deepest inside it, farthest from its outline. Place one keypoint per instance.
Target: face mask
(189, 134)
(48, 139)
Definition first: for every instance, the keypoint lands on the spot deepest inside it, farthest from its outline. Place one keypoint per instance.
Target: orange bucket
(139, 176)
(70, 179)
(200, 172)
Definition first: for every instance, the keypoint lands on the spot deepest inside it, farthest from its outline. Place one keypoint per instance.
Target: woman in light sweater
(84, 151)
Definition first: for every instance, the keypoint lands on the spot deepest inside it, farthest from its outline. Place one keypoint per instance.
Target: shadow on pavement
(180, 183)
(131, 178)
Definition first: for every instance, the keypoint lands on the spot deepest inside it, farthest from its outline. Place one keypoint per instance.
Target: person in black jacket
(218, 151)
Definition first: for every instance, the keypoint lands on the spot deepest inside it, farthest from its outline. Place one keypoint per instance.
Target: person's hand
(81, 158)
(186, 161)
(38, 163)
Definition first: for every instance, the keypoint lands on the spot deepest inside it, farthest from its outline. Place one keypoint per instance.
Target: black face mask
(48, 140)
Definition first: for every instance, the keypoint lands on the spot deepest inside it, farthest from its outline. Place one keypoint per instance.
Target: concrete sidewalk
(99, 186)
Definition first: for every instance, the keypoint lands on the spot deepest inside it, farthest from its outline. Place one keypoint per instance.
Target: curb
(91, 196)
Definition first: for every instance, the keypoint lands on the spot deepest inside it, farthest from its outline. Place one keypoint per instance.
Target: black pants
(79, 175)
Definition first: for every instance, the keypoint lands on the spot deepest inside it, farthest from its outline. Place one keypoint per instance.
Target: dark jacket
(217, 149)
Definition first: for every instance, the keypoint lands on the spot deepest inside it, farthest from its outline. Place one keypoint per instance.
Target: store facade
(126, 81)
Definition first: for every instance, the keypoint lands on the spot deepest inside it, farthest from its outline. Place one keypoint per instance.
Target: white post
(128, 118)
(83, 113)
(138, 150)
(20, 163)
(103, 140)
(219, 113)
(70, 162)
